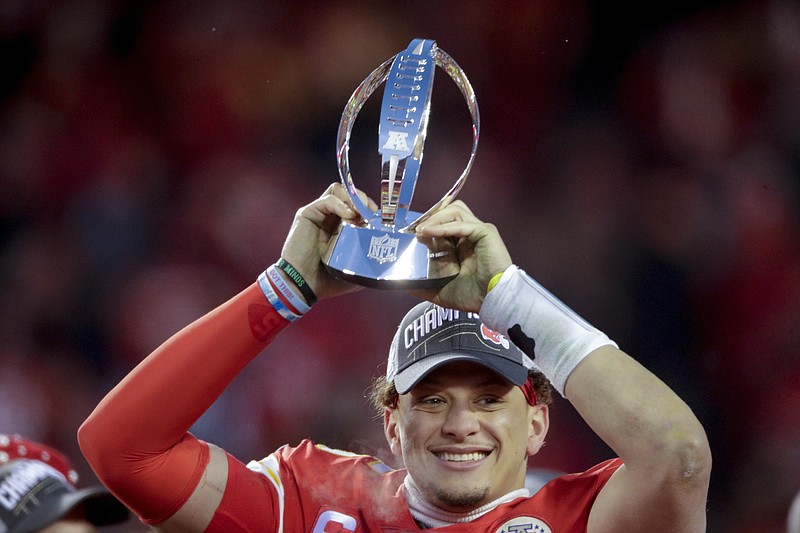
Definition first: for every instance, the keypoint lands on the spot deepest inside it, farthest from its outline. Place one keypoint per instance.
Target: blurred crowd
(643, 165)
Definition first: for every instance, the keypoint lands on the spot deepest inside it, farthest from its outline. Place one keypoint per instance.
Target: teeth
(462, 457)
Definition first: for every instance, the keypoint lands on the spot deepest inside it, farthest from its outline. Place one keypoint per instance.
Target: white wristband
(279, 283)
(274, 300)
(541, 325)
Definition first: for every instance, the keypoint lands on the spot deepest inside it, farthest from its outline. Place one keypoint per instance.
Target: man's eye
(489, 400)
(431, 401)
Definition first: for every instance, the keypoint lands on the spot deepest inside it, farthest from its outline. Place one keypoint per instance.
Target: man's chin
(460, 499)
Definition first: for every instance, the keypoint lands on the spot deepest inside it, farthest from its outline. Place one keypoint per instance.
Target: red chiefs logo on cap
(494, 337)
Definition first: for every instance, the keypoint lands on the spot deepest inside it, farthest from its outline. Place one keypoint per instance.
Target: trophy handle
(400, 160)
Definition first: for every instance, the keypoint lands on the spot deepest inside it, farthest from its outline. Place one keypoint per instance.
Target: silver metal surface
(384, 251)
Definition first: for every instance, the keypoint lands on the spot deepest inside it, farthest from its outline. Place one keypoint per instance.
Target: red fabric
(137, 439)
(529, 391)
(330, 490)
(249, 502)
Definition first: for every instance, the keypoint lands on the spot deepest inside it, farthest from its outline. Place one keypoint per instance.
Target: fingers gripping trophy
(383, 251)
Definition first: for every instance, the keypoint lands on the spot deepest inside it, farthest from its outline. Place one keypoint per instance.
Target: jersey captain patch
(524, 524)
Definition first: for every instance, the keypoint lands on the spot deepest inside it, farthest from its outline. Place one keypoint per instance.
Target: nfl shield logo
(383, 249)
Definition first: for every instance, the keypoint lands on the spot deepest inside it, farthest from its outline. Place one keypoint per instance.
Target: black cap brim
(100, 506)
(408, 378)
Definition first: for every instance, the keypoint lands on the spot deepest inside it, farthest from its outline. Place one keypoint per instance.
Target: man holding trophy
(465, 397)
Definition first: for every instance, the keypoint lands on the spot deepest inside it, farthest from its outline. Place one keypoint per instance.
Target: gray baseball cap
(37, 488)
(430, 336)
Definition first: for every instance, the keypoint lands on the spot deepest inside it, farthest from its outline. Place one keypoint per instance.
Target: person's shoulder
(590, 480)
(309, 453)
(602, 469)
(318, 473)
(565, 501)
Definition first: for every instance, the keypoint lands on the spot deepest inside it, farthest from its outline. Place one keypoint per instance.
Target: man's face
(70, 526)
(464, 434)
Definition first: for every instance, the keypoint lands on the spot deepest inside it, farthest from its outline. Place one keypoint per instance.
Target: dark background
(642, 163)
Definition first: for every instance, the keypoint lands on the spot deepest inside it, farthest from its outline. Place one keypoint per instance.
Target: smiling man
(455, 411)
(464, 404)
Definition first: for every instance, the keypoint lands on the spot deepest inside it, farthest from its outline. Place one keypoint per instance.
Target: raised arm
(137, 438)
(663, 484)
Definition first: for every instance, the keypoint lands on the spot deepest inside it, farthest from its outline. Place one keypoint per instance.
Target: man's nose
(461, 421)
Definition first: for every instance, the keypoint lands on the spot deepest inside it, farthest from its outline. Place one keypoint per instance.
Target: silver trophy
(383, 251)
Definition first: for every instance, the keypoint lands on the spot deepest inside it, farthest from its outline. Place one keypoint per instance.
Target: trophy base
(384, 259)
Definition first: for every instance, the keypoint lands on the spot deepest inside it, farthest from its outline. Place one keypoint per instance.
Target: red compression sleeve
(137, 439)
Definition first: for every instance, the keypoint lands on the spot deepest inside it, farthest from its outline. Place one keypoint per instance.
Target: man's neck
(429, 516)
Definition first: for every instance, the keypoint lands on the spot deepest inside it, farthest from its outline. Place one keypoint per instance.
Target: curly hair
(383, 393)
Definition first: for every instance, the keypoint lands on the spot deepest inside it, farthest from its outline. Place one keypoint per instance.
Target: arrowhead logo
(397, 140)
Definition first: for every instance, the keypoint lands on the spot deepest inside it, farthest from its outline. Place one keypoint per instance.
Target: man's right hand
(311, 231)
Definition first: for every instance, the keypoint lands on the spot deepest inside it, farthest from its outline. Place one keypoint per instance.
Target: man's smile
(461, 457)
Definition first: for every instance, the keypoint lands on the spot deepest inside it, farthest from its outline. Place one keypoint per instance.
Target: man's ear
(537, 430)
(392, 431)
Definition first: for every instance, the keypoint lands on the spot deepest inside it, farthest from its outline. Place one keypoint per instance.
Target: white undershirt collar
(430, 516)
